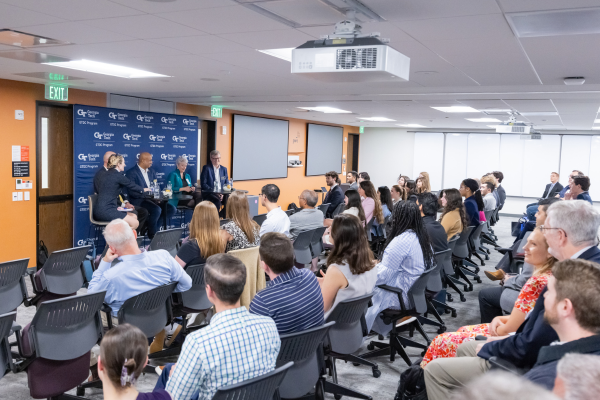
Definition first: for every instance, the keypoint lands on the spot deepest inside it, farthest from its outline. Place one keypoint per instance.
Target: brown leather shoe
(495, 276)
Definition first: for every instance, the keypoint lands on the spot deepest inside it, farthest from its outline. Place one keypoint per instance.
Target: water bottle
(169, 187)
(216, 186)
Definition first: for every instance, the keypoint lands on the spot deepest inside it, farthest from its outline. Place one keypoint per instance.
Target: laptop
(324, 189)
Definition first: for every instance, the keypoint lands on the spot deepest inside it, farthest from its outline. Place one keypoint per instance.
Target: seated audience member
(577, 377)
(309, 217)
(241, 231)
(428, 205)
(277, 220)
(398, 194)
(335, 196)
(552, 190)
(363, 176)
(353, 207)
(385, 199)
(412, 187)
(454, 216)
(351, 268)
(469, 189)
(570, 231)
(489, 201)
(214, 173)
(572, 304)
(402, 181)
(123, 356)
(292, 297)
(500, 385)
(499, 176)
(370, 202)
(352, 179)
(422, 184)
(235, 347)
(536, 254)
(579, 189)
(406, 256)
(566, 189)
(205, 236)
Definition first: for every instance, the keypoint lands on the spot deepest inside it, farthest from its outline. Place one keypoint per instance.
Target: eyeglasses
(544, 228)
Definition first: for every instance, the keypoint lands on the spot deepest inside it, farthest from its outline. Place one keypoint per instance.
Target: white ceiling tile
(13, 17)
(426, 9)
(224, 20)
(479, 104)
(206, 44)
(76, 33)
(576, 106)
(144, 27)
(105, 52)
(530, 105)
(468, 27)
(539, 5)
(284, 38)
(544, 120)
(443, 77)
(179, 5)
(305, 12)
(75, 9)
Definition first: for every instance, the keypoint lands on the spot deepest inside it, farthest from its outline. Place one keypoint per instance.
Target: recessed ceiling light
(105, 69)
(456, 109)
(597, 121)
(411, 125)
(483, 119)
(378, 119)
(284, 54)
(326, 110)
(596, 127)
(538, 113)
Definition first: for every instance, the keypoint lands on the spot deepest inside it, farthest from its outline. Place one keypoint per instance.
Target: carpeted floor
(14, 387)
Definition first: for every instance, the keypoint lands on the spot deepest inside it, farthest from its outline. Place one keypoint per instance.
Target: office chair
(6, 324)
(260, 218)
(324, 208)
(302, 252)
(338, 210)
(167, 240)
(262, 387)
(459, 255)
(435, 285)
(98, 226)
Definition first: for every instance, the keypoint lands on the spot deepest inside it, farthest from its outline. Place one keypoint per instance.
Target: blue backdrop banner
(97, 130)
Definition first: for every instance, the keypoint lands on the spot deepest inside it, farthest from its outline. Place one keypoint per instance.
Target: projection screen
(260, 148)
(324, 149)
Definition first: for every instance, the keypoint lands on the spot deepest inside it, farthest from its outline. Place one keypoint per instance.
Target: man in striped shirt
(292, 297)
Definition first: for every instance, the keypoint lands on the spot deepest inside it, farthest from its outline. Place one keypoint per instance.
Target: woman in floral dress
(536, 254)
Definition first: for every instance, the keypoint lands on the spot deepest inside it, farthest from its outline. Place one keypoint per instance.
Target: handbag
(42, 255)
(412, 383)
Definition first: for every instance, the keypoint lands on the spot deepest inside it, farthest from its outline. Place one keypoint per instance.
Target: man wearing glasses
(214, 176)
(567, 188)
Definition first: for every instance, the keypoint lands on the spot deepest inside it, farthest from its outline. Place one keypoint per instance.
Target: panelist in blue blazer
(143, 175)
(211, 173)
(181, 182)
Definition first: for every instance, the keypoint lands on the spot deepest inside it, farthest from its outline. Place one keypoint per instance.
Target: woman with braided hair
(407, 254)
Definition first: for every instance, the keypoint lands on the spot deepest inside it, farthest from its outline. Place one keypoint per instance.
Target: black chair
(459, 254)
(167, 240)
(368, 229)
(182, 210)
(224, 221)
(289, 213)
(448, 273)
(259, 219)
(338, 210)
(434, 286)
(379, 240)
(316, 243)
(344, 187)
(56, 344)
(302, 348)
(324, 208)
(13, 291)
(191, 301)
(302, 252)
(6, 323)
(418, 307)
(62, 275)
(475, 244)
(98, 226)
(264, 387)
(343, 340)
(486, 234)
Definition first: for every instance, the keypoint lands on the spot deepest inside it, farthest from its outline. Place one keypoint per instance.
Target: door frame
(38, 164)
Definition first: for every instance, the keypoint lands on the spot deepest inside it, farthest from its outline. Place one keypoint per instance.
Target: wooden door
(55, 176)
(352, 153)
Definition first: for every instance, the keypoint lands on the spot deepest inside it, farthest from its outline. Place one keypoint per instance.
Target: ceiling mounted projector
(513, 126)
(349, 56)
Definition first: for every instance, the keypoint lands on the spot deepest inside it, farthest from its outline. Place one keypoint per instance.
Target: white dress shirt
(277, 221)
(145, 175)
(217, 176)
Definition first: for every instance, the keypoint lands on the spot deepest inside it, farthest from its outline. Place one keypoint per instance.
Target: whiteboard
(541, 157)
(594, 169)
(483, 154)
(429, 157)
(455, 159)
(511, 164)
(575, 154)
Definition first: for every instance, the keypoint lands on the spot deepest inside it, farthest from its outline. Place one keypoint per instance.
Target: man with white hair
(578, 377)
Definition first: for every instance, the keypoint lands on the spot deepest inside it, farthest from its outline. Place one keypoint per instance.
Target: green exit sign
(216, 111)
(361, 129)
(57, 92)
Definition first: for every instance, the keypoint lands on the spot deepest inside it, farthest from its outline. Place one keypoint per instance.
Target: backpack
(293, 206)
(42, 254)
(412, 383)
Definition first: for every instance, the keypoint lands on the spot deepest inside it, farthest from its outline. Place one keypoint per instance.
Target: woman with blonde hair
(205, 236)
(109, 188)
(422, 183)
(241, 231)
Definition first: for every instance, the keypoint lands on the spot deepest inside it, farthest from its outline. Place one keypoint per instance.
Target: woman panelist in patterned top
(407, 255)
(536, 254)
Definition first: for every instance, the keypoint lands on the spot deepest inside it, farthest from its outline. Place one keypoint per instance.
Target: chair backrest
(368, 228)
(167, 240)
(434, 284)
(63, 272)
(488, 216)
(261, 387)
(301, 348)
(224, 221)
(386, 221)
(255, 276)
(338, 210)
(150, 311)
(195, 299)
(344, 187)
(461, 248)
(346, 336)
(302, 243)
(66, 329)
(316, 243)
(452, 241)
(92, 200)
(12, 286)
(520, 249)
(416, 293)
(324, 208)
(6, 321)
(259, 219)
(475, 239)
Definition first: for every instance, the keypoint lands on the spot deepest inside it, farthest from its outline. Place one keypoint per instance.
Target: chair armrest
(396, 290)
(502, 250)
(108, 311)
(503, 365)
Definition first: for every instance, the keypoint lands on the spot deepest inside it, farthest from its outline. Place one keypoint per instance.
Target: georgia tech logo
(88, 113)
(145, 118)
(81, 112)
(189, 121)
(156, 138)
(126, 136)
(118, 116)
(82, 157)
(152, 137)
(179, 139)
(168, 120)
(163, 156)
(82, 200)
(104, 135)
(168, 157)
(88, 157)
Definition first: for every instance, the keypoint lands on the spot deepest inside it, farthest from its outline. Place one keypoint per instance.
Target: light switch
(27, 198)
(15, 196)
(19, 196)
(19, 114)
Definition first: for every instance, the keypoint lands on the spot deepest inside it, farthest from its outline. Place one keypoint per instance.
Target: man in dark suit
(428, 204)
(335, 196)
(570, 229)
(552, 189)
(500, 192)
(211, 173)
(142, 175)
(579, 189)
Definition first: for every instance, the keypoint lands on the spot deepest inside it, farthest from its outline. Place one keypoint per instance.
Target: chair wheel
(370, 346)
(356, 364)
(446, 311)
(453, 314)
(463, 298)
(380, 337)
(337, 396)
(423, 353)
(478, 280)
(376, 372)
(465, 288)
(482, 264)
(80, 391)
(442, 329)
(450, 299)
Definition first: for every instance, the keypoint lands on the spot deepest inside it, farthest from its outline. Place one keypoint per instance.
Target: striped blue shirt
(293, 300)
(235, 347)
